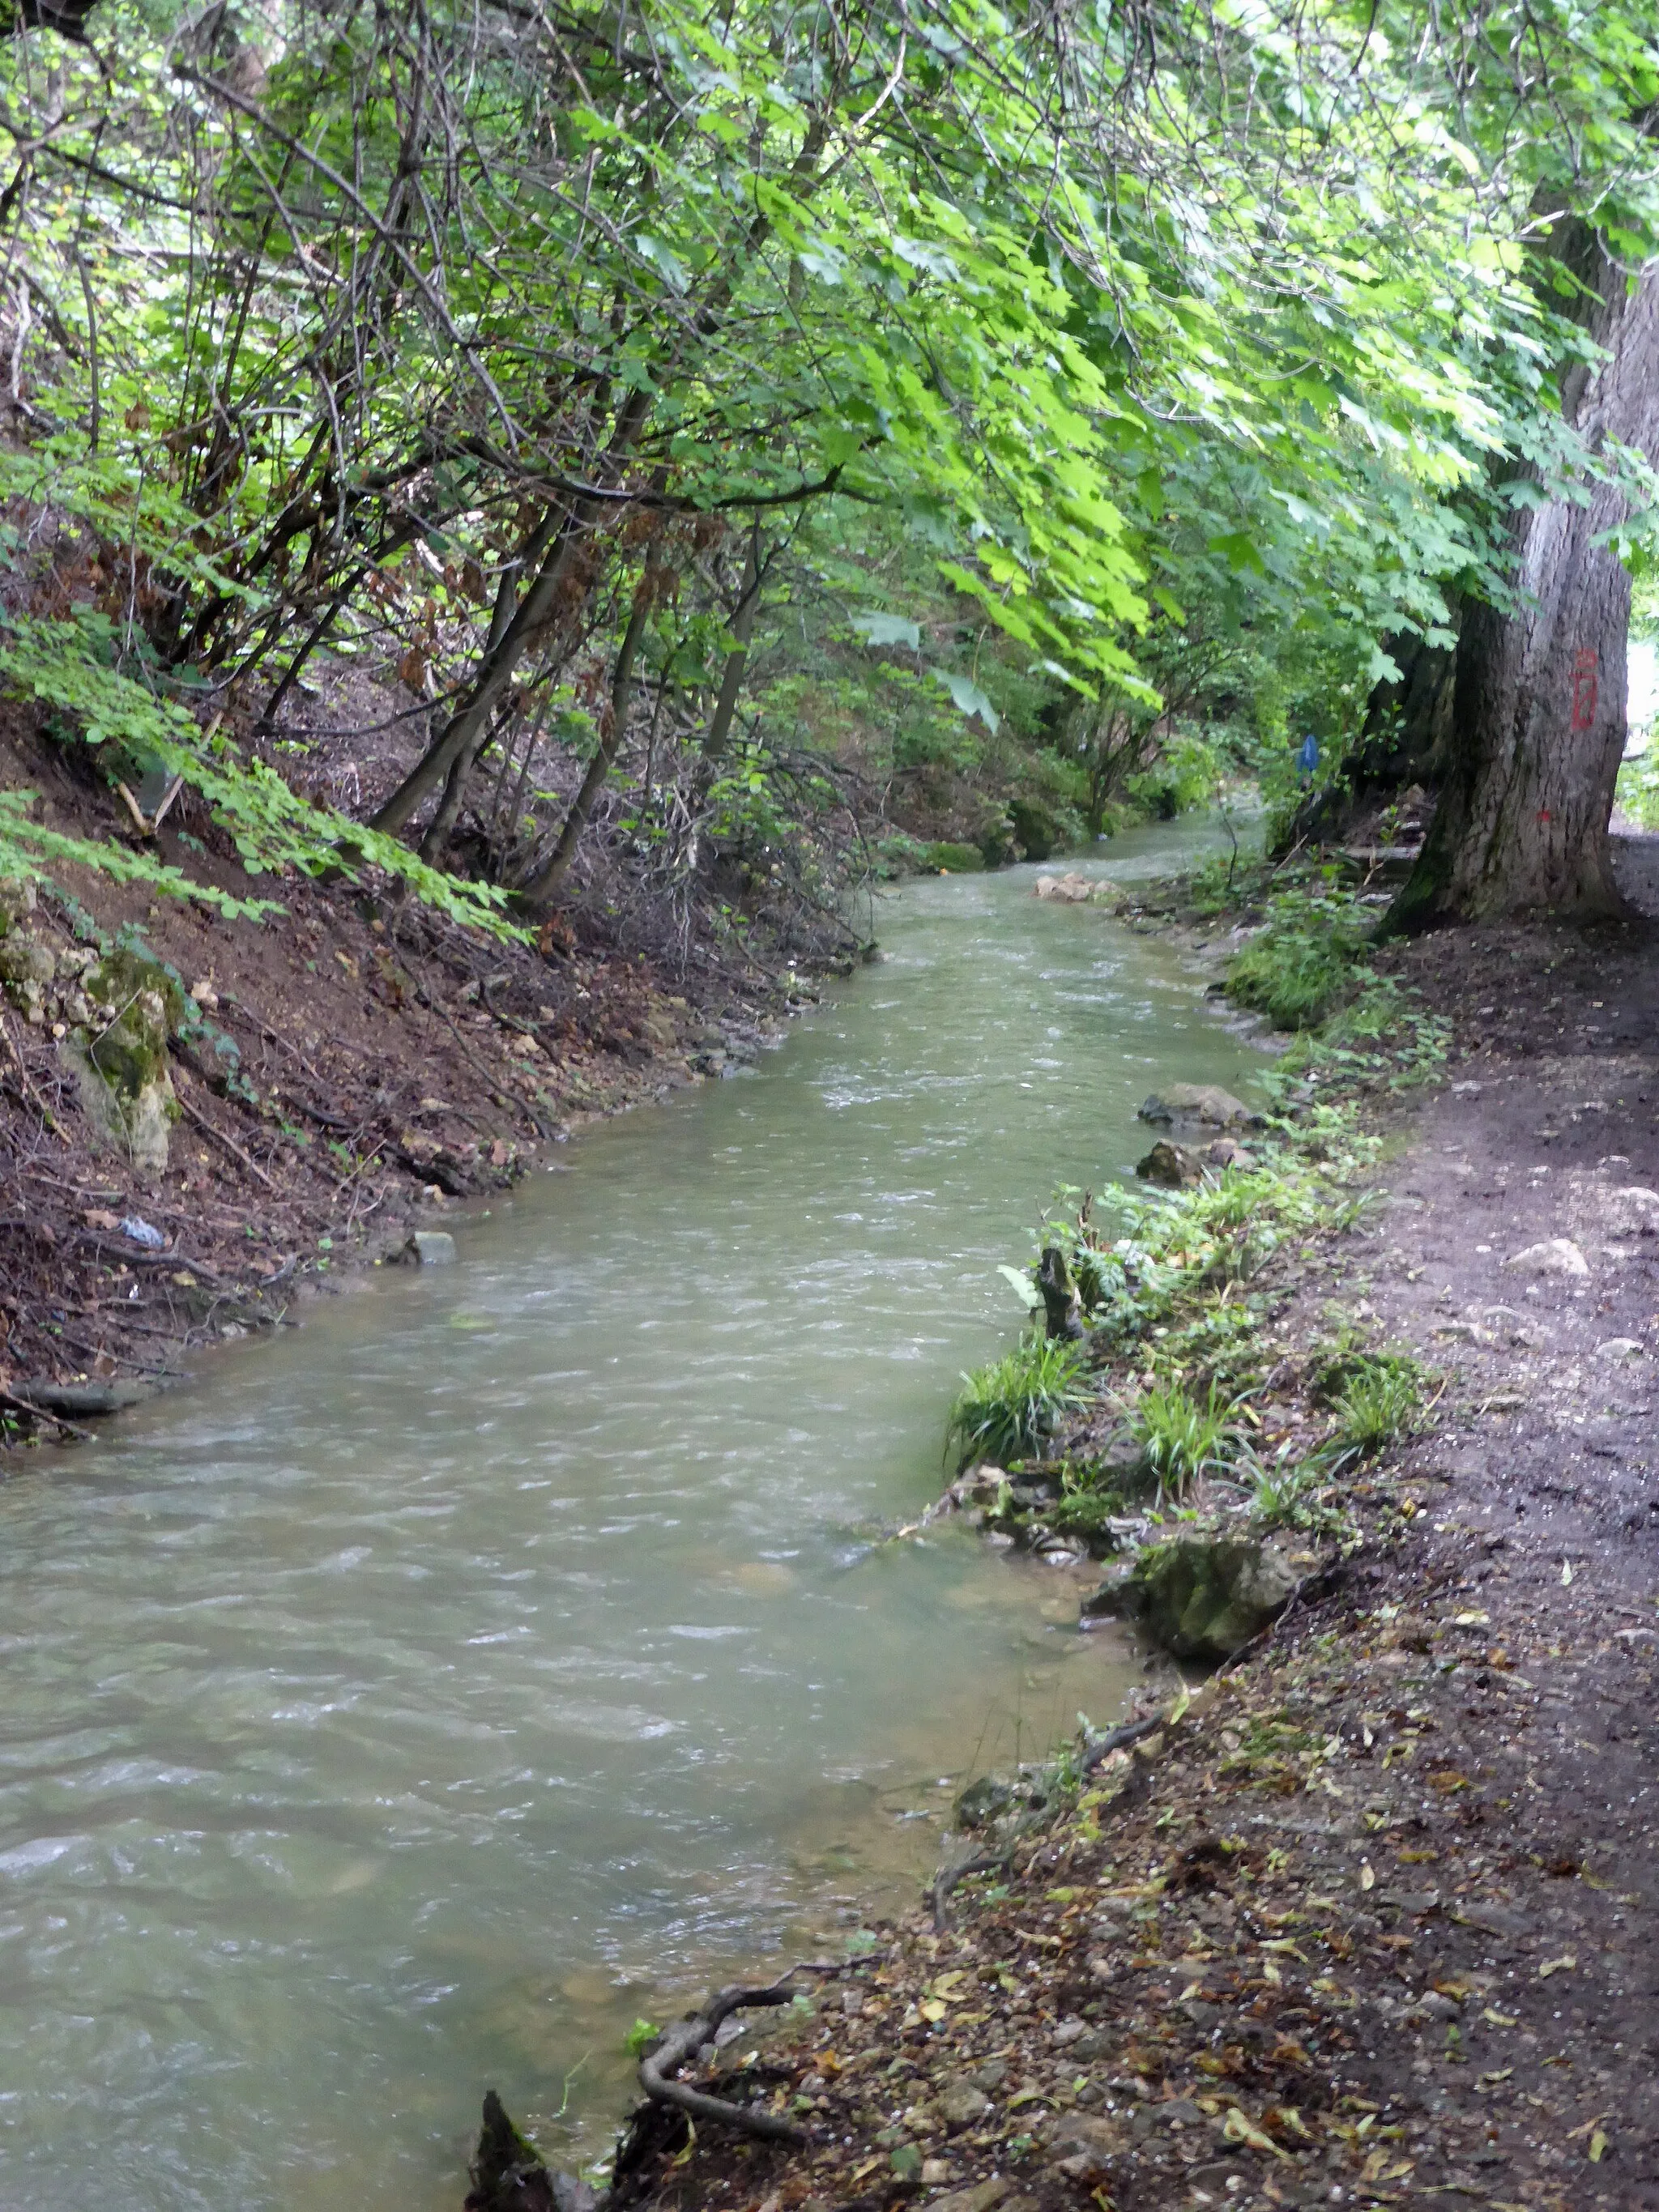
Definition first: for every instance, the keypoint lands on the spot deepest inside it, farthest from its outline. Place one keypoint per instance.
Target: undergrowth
(1010, 1408)
(1179, 1290)
(1304, 961)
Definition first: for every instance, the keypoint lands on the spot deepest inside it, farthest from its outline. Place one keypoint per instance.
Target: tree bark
(1538, 717)
(541, 886)
(564, 534)
(741, 628)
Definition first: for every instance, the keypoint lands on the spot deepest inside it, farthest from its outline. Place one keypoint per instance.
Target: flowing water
(415, 1698)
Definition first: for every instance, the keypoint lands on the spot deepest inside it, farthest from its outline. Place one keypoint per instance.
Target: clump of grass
(1375, 1408)
(1181, 1439)
(1303, 964)
(1374, 1396)
(1280, 1496)
(1007, 1410)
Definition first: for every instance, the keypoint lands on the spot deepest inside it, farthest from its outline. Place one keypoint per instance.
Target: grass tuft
(1007, 1410)
(1182, 1439)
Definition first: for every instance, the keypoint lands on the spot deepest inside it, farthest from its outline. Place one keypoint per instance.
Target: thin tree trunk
(559, 574)
(438, 836)
(541, 886)
(1538, 722)
(564, 533)
(741, 627)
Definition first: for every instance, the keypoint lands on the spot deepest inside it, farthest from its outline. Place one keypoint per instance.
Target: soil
(1376, 1919)
(353, 1069)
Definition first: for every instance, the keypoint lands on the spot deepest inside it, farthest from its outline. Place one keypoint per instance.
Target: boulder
(1556, 1255)
(1200, 1597)
(1227, 1152)
(1172, 1167)
(431, 1247)
(983, 1802)
(1071, 889)
(120, 1055)
(1205, 1103)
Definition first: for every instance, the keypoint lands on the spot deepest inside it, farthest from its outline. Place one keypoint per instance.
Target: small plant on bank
(1184, 1440)
(1302, 965)
(1008, 1410)
(1375, 1408)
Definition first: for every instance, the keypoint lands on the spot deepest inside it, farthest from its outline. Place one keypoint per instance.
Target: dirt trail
(1377, 1920)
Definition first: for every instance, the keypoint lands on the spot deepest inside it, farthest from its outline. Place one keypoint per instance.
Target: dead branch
(689, 2035)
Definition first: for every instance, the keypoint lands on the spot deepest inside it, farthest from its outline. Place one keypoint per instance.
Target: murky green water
(408, 1705)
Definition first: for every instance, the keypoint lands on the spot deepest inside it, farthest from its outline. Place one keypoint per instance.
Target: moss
(1036, 827)
(121, 977)
(955, 859)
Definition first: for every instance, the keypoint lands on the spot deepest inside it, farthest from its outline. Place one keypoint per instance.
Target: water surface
(417, 1697)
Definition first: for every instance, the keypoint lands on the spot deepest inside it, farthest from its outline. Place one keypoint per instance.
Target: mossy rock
(121, 1057)
(124, 975)
(1202, 1597)
(1036, 827)
(955, 859)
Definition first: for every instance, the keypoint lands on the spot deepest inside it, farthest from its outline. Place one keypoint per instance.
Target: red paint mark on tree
(1543, 814)
(1583, 688)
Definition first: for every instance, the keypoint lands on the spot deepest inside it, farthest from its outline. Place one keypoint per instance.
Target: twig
(690, 2034)
(40, 1414)
(948, 1877)
(1116, 1740)
(229, 1144)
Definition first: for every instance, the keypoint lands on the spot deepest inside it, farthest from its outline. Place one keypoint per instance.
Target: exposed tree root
(688, 2036)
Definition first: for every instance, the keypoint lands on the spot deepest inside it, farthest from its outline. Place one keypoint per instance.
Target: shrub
(1006, 1411)
(1304, 962)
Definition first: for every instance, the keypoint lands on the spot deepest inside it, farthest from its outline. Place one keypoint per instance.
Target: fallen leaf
(1237, 2129)
(1498, 2019)
(1367, 1879)
(1565, 1964)
(1598, 2144)
(1566, 1571)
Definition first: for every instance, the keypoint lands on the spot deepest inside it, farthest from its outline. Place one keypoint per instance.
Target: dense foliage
(781, 427)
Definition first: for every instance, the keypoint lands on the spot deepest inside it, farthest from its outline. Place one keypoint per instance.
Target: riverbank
(318, 1086)
(1371, 1920)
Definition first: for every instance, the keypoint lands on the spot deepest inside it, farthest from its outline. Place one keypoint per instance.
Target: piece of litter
(140, 1232)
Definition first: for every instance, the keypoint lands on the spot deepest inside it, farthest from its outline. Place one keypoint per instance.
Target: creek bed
(409, 1703)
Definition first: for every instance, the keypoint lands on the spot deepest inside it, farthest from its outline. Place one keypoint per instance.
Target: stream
(415, 1698)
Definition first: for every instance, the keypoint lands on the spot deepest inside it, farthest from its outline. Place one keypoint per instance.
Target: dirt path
(1377, 1920)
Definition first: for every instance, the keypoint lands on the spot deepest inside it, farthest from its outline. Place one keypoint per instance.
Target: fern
(59, 665)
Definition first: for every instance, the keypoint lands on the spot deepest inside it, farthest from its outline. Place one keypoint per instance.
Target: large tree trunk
(1538, 717)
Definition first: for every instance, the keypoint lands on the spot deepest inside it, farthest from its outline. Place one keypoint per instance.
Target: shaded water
(413, 1701)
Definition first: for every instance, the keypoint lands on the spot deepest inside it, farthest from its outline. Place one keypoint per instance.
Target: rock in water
(431, 1247)
(1200, 1597)
(983, 1802)
(1172, 1167)
(1205, 1103)
(1071, 890)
